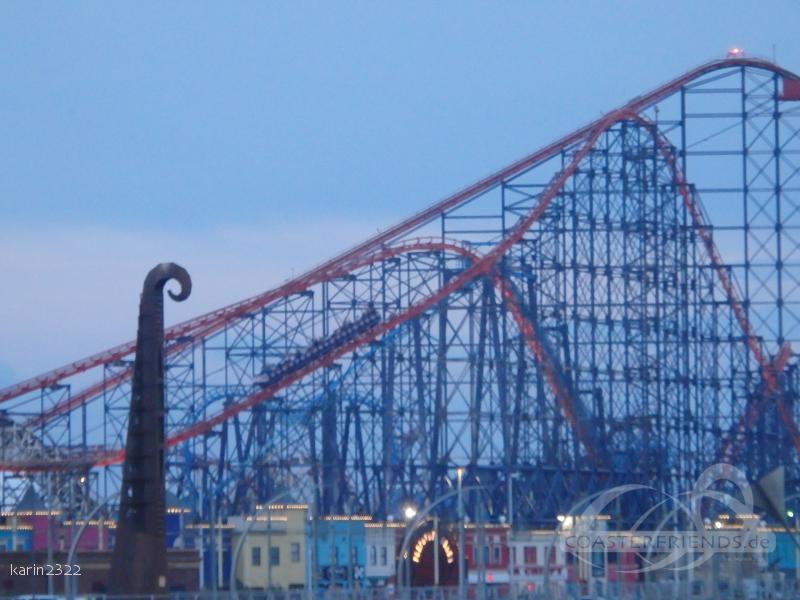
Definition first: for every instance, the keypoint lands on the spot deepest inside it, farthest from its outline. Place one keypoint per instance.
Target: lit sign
(448, 551)
(420, 545)
(423, 541)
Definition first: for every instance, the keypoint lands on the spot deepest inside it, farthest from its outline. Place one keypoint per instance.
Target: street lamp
(69, 587)
(461, 549)
(409, 512)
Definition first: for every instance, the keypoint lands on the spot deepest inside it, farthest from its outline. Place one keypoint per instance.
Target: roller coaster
(619, 306)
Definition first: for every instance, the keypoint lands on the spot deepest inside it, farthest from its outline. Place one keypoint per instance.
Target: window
(530, 555)
(496, 554)
(255, 556)
(486, 555)
(295, 550)
(384, 555)
(373, 555)
(274, 556)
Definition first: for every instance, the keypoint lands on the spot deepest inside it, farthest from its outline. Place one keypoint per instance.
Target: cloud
(70, 293)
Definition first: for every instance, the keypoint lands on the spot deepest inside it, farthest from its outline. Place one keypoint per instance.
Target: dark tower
(139, 564)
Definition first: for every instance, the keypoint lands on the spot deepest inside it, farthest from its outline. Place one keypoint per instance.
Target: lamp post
(510, 497)
(479, 542)
(460, 474)
(511, 555)
(213, 541)
(50, 560)
(436, 551)
(269, 549)
(350, 562)
(409, 512)
(69, 588)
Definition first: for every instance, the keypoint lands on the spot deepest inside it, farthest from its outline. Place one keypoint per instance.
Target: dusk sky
(249, 141)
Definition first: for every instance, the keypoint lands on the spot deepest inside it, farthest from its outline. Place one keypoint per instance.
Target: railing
(758, 588)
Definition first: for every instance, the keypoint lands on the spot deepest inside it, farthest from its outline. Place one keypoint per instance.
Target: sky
(249, 141)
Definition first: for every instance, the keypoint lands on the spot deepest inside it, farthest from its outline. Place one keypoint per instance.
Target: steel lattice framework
(620, 306)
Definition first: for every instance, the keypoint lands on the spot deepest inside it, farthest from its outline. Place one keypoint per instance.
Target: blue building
(784, 556)
(341, 552)
(16, 538)
(179, 514)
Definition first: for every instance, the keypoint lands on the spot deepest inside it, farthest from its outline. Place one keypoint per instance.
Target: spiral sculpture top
(161, 274)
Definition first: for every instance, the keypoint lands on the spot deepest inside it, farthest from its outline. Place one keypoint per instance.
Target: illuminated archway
(423, 560)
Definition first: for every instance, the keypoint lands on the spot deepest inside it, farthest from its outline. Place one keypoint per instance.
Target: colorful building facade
(272, 548)
(381, 540)
(340, 551)
(16, 537)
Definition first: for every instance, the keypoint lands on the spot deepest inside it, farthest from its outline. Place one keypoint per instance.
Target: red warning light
(735, 53)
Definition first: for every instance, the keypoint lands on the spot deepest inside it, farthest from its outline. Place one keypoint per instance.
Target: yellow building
(272, 549)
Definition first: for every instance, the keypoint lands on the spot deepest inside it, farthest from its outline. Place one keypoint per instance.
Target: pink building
(49, 524)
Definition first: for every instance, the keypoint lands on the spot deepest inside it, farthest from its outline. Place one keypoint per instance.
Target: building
(272, 548)
(381, 540)
(285, 550)
(784, 556)
(31, 532)
(49, 529)
(16, 537)
(179, 514)
(486, 553)
(536, 560)
(340, 550)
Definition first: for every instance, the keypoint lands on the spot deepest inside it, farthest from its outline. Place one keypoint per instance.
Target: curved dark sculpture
(139, 563)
